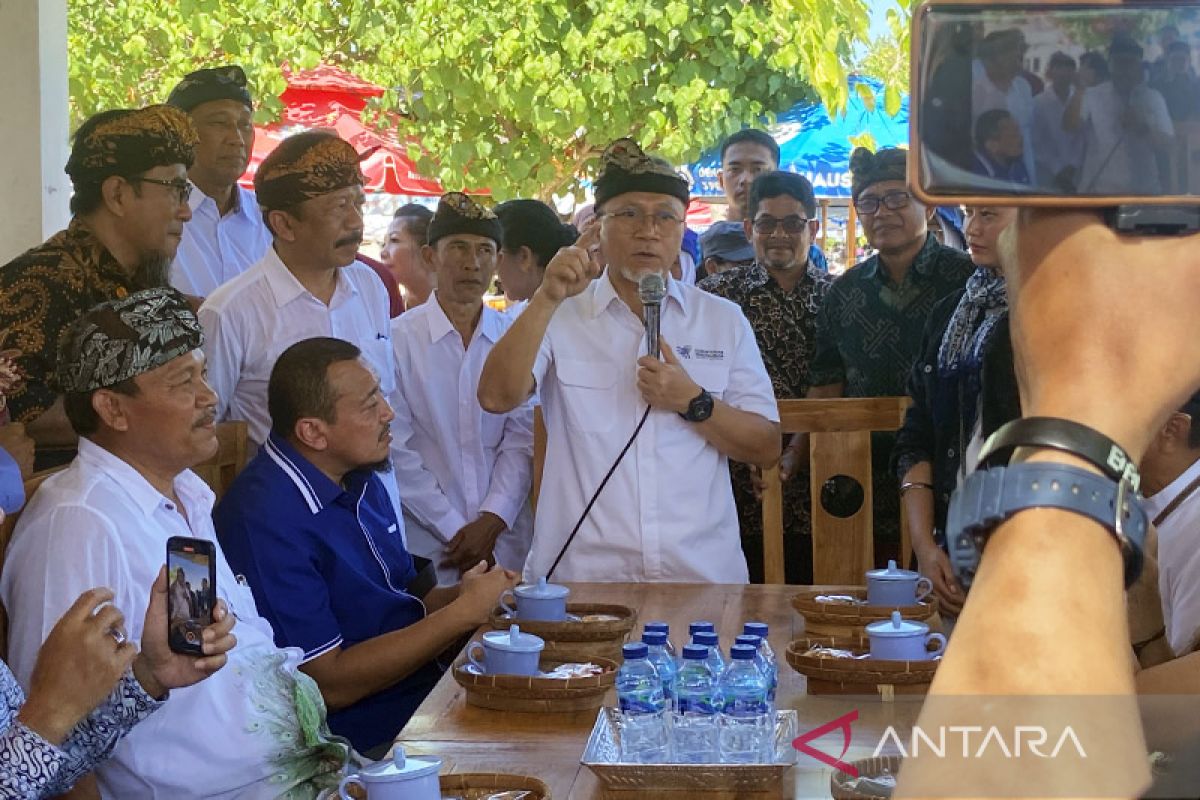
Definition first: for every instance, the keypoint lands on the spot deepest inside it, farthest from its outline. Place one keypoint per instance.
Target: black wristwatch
(700, 408)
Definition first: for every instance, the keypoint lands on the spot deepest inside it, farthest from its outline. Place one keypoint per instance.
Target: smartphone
(1056, 103)
(191, 592)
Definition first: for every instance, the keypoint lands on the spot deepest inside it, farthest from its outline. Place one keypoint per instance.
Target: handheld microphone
(651, 289)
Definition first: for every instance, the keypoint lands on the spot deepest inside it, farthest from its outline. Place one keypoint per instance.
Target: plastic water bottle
(659, 625)
(761, 629)
(709, 639)
(747, 727)
(656, 654)
(694, 722)
(643, 720)
(697, 627)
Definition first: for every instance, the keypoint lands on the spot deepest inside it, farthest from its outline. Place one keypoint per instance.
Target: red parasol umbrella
(329, 97)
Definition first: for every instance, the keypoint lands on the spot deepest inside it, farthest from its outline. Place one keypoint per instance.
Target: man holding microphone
(635, 483)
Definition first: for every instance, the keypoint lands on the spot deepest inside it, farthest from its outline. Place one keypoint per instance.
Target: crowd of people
(390, 411)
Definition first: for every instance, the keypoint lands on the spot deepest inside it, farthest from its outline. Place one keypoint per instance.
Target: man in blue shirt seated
(310, 526)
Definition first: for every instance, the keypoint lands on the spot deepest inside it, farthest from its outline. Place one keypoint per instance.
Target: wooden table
(549, 746)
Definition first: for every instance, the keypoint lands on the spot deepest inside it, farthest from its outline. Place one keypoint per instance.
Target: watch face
(701, 408)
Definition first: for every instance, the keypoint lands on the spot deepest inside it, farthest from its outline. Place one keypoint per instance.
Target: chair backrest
(839, 444)
(6, 531)
(539, 454)
(220, 470)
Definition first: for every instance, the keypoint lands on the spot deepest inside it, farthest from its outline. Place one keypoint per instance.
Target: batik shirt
(785, 325)
(43, 291)
(31, 767)
(868, 336)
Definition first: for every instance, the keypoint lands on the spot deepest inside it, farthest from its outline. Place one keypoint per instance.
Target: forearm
(52, 428)
(441, 596)
(1179, 676)
(507, 377)
(348, 675)
(741, 435)
(917, 502)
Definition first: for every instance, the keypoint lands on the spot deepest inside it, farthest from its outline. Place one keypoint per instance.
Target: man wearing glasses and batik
(128, 168)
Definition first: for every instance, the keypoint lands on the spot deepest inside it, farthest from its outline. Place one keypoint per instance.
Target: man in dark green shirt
(870, 324)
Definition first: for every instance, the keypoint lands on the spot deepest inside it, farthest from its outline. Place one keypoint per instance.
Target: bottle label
(696, 705)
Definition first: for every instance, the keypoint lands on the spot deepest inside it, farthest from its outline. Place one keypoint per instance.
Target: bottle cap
(706, 638)
(654, 638)
(742, 652)
(695, 652)
(633, 650)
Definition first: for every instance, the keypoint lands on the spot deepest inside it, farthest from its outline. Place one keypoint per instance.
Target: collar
(92, 253)
(1155, 503)
(314, 486)
(490, 326)
(284, 286)
(244, 202)
(757, 276)
(922, 262)
(192, 491)
(605, 294)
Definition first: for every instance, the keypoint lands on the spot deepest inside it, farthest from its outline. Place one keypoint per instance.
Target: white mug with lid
(537, 601)
(896, 587)
(401, 778)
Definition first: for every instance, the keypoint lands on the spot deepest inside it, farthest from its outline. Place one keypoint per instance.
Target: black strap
(1065, 435)
(587, 509)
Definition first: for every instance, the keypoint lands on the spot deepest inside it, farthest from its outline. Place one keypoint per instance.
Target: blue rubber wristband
(989, 497)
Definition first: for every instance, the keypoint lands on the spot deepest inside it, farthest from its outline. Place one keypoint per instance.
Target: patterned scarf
(960, 356)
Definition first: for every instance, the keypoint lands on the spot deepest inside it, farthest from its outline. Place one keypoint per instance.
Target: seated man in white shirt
(466, 473)
(308, 284)
(666, 512)
(226, 233)
(1171, 483)
(132, 376)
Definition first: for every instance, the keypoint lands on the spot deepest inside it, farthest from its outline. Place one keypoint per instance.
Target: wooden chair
(6, 531)
(840, 444)
(220, 470)
(539, 455)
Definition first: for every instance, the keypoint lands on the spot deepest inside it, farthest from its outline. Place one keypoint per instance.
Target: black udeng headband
(1067, 436)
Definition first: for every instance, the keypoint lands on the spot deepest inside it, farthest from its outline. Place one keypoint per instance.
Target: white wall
(34, 123)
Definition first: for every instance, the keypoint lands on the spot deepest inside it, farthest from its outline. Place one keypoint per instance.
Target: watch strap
(989, 497)
(1065, 435)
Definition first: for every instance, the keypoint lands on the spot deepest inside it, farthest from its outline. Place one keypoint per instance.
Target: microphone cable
(587, 509)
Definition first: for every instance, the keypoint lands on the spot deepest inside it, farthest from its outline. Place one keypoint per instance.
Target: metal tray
(603, 757)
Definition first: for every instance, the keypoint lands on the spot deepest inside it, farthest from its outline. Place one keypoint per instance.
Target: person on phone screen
(132, 376)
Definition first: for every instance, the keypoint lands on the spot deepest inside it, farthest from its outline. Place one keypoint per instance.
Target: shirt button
(928, 368)
(170, 507)
(950, 452)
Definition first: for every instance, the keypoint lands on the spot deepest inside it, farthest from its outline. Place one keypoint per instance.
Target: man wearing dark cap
(466, 473)
(725, 246)
(870, 324)
(780, 292)
(129, 172)
(226, 233)
(308, 284)
(666, 511)
(132, 375)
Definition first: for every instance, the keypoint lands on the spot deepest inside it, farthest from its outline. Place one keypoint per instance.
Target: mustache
(354, 239)
(209, 417)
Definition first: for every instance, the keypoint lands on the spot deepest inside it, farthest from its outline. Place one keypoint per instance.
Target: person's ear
(748, 229)
(115, 194)
(527, 261)
(110, 409)
(312, 432)
(1174, 434)
(282, 224)
(428, 257)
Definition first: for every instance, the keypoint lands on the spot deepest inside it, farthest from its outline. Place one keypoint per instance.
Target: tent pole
(824, 221)
(851, 237)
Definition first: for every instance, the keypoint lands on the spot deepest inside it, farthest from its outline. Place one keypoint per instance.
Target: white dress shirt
(457, 460)
(252, 319)
(236, 734)
(1017, 99)
(1118, 161)
(1179, 560)
(1057, 148)
(215, 248)
(667, 513)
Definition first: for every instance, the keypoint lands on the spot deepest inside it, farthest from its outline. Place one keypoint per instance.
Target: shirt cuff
(131, 702)
(28, 763)
(450, 524)
(506, 508)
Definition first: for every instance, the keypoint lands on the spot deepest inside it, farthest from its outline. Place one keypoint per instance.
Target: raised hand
(572, 268)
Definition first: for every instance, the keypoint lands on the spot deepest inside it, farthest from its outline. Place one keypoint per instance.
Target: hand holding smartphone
(191, 592)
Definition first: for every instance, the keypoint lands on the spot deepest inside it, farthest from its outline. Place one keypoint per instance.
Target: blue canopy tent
(817, 147)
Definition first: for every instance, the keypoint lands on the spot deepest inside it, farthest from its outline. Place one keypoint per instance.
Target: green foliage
(516, 95)
(887, 58)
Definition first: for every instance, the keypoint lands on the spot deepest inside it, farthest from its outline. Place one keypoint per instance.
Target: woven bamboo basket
(534, 694)
(841, 620)
(868, 767)
(857, 676)
(569, 642)
(476, 785)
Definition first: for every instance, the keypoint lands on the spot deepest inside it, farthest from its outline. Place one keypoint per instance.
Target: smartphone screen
(1071, 101)
(191, 592)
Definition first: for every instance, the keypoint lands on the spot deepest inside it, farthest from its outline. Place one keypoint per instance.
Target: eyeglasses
(893, 200)
(634, 218)
(768, 224)
(183, 189)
